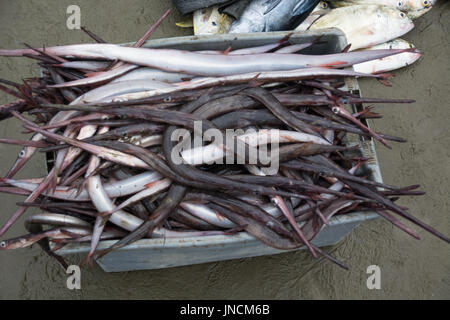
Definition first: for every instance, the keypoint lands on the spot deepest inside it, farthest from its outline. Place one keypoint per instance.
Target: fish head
(15, 243)
(24, 155)
(414, 57)
(321, 8)
(400, 5)
(399, 23)
(415, 5)
(396, 44)
(414, 14)
(405, 23)
(417, 8)
(410, 57)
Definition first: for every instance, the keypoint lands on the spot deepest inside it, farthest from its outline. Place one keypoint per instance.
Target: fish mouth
(407, 27)
(415, 56)
(16, 167)
(414, 14)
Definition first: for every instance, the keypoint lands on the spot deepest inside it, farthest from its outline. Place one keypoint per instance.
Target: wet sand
(410, 269)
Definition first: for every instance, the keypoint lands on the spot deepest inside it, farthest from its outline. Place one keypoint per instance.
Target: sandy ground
(410, 269)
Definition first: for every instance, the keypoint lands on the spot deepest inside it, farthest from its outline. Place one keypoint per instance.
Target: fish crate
(147, 254)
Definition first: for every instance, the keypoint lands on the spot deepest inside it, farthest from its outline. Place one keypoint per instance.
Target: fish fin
(285, 39)
(254, 82)
(93, 74)
(186, 22)
(106, 213)
(347, 48)
(227, 51)
(333, 64)
(301, 7)
(102, 253)
(385, 82)
(384, 79)
(271, 6)
(70, 234)
(86, 260)
(385, 75)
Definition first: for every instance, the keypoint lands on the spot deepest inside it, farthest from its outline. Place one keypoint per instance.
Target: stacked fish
(113, 116)
(370, 24)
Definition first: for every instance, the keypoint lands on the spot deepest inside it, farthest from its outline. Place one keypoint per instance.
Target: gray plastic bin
(164, 253)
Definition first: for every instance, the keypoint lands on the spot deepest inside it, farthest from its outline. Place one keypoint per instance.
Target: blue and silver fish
(273, 15)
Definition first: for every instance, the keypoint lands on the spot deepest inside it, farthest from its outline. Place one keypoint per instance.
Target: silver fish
(417, 8)
(273, 15)
(389, 63)
(413, 8)
(366, 25)
(396, 4)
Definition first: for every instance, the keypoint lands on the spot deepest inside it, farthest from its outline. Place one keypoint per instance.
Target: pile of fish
(370, 24)
(109, 113)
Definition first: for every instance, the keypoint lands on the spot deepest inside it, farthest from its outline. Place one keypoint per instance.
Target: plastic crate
(163, 253)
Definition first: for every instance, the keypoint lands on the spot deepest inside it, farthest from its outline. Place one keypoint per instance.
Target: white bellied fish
(366, 25)
(413, 8)
(389, 63)
(417, 8)
(396, 4)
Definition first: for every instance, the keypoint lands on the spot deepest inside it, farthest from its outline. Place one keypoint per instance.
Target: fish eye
(335, 110)
(3, 244)
(22, 153)
(400, 4)
(402, 15)
(323, 5)
(426, 3)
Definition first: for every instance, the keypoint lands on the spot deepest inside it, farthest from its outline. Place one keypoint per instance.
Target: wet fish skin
(366, 25)
(273, 15)
(413, 8)
(320, 10)
(417, 5)
(211, 21)
(389, 63)
(417, 8)
(396, 4)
